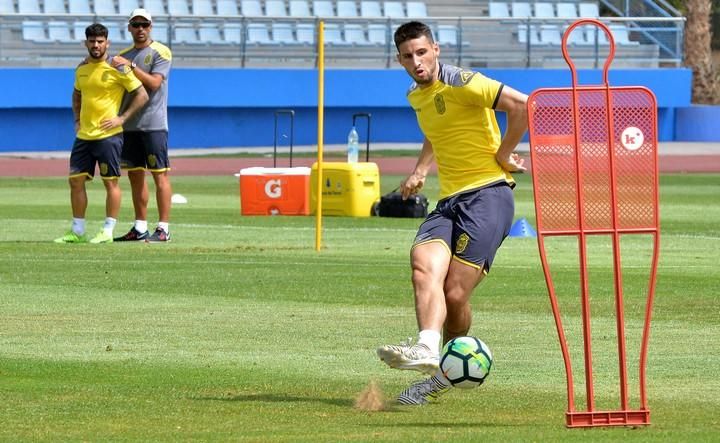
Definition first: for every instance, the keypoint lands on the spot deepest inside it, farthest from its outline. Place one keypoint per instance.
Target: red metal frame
(591, 179)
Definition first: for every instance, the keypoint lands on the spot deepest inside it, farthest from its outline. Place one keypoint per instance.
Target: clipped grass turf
(239, 331)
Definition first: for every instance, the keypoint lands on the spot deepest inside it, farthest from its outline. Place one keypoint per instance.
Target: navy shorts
(472, 224)
(104, 152)
(145, 150)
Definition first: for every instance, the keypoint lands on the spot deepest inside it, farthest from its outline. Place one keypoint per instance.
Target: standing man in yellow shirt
(96, 102)
(455, 245)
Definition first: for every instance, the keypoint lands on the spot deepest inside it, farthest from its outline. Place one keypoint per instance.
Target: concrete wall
(236, 107)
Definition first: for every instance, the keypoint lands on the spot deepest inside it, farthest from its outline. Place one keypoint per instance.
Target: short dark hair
(410, 31)
(96, 30)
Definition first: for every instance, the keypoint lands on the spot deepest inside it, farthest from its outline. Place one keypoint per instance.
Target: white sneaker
(417, 357)
(423, 392)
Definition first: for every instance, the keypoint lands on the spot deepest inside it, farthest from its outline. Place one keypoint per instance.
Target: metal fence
(241, 41)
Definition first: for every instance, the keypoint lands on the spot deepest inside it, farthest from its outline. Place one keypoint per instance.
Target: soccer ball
(466, 362)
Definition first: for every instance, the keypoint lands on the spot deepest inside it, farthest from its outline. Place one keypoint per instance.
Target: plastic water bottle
(353, 148)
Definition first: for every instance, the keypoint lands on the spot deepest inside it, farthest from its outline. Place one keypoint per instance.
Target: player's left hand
(111, 123)
(514, 163)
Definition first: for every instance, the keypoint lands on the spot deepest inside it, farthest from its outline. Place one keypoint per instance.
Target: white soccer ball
(466, 362)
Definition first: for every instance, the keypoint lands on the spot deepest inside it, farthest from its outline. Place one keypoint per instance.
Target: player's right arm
(415, 181)
(76, 104)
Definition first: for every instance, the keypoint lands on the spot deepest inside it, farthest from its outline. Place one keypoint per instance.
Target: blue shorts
(472, 224)
(105, 152)
(146, 150)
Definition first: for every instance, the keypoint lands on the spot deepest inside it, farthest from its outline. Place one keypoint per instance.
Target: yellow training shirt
(102, 88)
(456, 114)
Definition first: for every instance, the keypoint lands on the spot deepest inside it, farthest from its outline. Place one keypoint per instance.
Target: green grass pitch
(239, 330)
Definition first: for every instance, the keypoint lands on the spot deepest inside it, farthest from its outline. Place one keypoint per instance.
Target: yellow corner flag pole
(321, 109)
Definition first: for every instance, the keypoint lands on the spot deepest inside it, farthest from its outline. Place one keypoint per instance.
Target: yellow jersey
(456, 114)
(102, 88)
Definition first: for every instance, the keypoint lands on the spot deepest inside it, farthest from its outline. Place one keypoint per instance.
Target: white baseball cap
(140, 12)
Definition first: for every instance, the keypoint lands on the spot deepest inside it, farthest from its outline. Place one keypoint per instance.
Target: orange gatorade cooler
(274, 191)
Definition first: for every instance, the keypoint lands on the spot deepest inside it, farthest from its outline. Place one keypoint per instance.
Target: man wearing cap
(146, 133)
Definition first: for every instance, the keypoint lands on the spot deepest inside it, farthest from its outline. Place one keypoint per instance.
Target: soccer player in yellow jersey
(455, 246)
(96, 101)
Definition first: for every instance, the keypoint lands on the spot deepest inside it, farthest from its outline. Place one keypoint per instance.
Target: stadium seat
(346, 8)
(79, 30)
(275, 8)
(299, 8)
(305, 33)
(394, 9)
(54, 6)
(377, 34)
(154, 7)
(323, 8)
(621, 34)
(125, 7)
(333, 34)
(210, 33)
(497, 9)
(283, 33)
(257, 33)
(250, 8)
(588, 10)
(59, 32)
(370, 8)
(579, 36)
(28, 7)
(186, 34)
(79, 7)
(227, 8)
(523, 34)
(34, 31)
(355, 34)
(550, 35)
(178, 7)
(566, 10)
(520, 9)
(416, 9)
(104, 8)
(447, 35)
(7, 7)
(544, 10)
(203, 7)
(116, 34)
(161, 32)
(232, 33)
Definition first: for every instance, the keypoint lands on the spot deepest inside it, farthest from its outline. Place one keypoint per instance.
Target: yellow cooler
(348, 189)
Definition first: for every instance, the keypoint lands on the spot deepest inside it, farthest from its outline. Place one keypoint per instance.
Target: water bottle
(353, 148)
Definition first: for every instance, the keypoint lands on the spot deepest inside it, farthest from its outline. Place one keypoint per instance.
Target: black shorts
(472, 224)
(145, 150)
(105, 152)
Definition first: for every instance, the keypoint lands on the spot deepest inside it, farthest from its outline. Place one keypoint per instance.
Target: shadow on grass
(276, 398)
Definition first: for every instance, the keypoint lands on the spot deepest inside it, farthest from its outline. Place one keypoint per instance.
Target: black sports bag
(392, 205)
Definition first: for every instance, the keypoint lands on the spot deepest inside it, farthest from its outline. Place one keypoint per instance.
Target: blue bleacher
(355, 34)
(29, 7)
(232, 33)
(416, 9)
(227, 7)
(209, 33)
(323, 8)
(55, 7)
(250, 8)
(520, 9)
(257, 33)
(79, 7)
(394, 9)
(544, 10)
(305, 33)
(370, 9)
(566, 10)
(102, 8)
(275, 8)
(7, 7)
(497, 9)
(283, 33)
(79, 30)
(178, 7)
(588, 10)
(126, 7)
(333, 34)
(299, 8)
(346, 8)
(154, 7)
(203, 7)
(34, 31)
(59, 32)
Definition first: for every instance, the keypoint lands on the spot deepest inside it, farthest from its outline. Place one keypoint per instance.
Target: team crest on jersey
(103, 168)
(147, 59)
(152, 161)
(465, 76)
(439, 104)
(462, 243)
